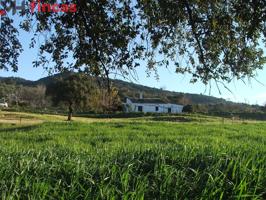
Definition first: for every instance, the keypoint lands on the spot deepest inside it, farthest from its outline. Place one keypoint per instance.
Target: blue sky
(252, 92)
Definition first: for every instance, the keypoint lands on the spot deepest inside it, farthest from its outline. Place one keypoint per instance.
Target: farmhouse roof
(146, 100)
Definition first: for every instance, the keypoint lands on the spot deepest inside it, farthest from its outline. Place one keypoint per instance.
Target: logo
(14, 6)
(39, 6)
(45, 7)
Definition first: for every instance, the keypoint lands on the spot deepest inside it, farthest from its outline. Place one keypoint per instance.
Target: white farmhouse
(151, 105)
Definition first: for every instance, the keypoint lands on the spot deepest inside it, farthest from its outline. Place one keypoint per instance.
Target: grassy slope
(133, 159)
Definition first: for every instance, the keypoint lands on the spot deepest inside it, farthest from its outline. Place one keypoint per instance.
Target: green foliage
(133, 160)
(97, 39)
(74, 89)
(125, 89)
(10, 47)
(101, 101)
(219, 40)
(188, 109)
(6, 90)
(211, 40)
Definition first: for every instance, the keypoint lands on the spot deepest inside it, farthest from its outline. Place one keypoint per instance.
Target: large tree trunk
(70, 112)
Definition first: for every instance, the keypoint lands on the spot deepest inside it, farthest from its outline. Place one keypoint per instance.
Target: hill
(129, 89)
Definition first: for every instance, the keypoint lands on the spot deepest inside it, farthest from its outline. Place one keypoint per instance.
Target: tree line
(76, 92)
(73, 92)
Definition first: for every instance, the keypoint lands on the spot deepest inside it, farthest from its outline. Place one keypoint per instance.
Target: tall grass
(133, 160)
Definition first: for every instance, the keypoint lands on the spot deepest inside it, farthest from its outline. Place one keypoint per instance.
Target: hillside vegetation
(125, 89)
(141, 158)
(28, 95)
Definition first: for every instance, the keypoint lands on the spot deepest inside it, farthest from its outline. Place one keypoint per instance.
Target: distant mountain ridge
(129, 89)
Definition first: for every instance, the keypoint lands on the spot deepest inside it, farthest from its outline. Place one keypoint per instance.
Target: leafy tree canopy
(74, 90)
(212, 40)
(219, 39)
(10, 46)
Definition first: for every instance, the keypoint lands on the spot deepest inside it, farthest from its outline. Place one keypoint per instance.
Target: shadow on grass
(114, 115)
(19, 128)
(125, 115)
(172, 119)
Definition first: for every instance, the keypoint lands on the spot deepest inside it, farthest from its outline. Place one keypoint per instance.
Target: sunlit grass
(133, 159)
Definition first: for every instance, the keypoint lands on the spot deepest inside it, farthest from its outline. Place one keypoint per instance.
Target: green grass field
(144, 158)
